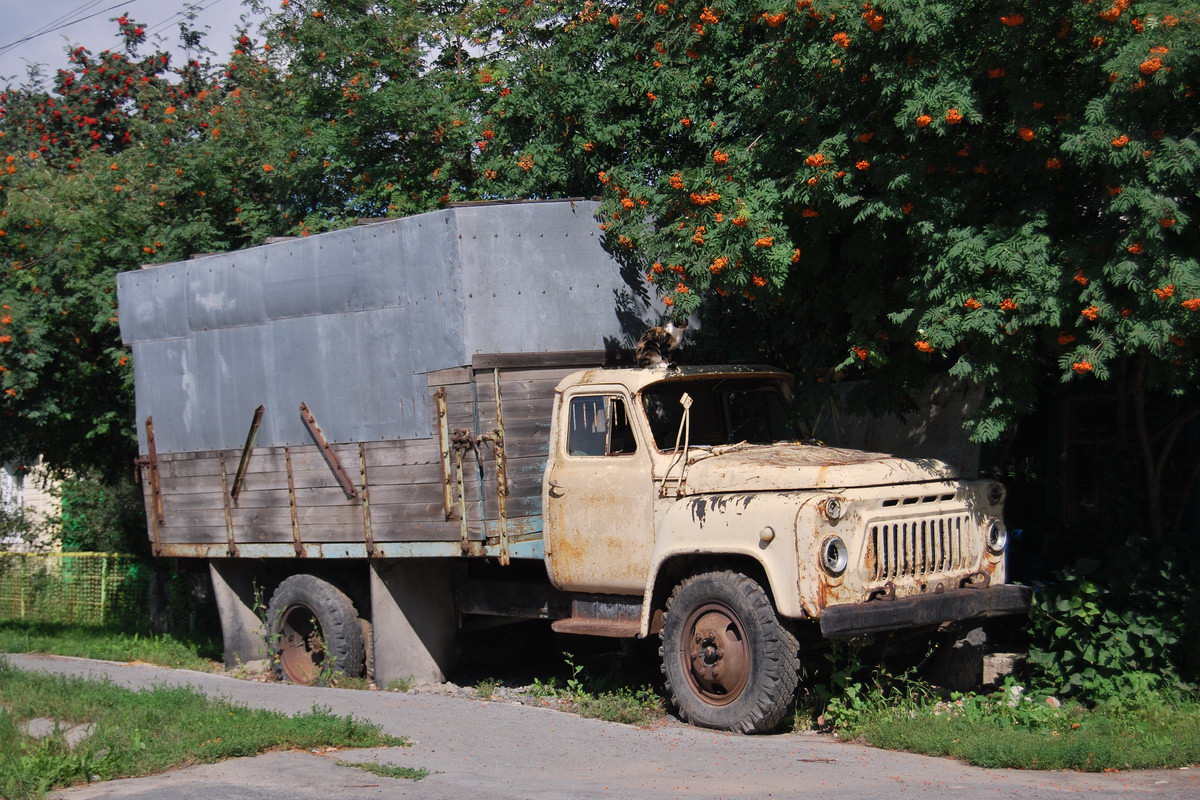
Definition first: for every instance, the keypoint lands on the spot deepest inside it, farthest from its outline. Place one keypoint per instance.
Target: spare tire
(313, 631)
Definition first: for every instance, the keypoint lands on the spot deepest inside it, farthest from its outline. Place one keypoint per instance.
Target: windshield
(724, 411)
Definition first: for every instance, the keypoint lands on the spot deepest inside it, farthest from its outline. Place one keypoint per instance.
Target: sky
(22, 18)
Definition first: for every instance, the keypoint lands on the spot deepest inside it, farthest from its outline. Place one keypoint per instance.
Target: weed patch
(401, 685)
(143, 732)
(109, 644)
(388, 770)
(602, 698)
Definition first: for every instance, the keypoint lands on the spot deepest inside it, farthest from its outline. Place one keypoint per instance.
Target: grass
(388, 770)
(486, 688)
(144, 732)
(999, 730)
(401, 685)
(610, 698)
(109, 644)
(639, 707)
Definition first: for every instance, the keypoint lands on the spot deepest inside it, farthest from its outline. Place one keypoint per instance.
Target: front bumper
(858, 619)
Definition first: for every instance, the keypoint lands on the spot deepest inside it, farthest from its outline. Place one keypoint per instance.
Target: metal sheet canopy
(348, 322)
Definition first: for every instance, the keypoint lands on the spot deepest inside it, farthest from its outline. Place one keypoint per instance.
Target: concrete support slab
(413, 620)
(241, 628)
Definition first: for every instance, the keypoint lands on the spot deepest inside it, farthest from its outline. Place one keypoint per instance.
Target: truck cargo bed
(390, 337)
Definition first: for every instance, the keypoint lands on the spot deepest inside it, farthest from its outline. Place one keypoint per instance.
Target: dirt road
(481, 750)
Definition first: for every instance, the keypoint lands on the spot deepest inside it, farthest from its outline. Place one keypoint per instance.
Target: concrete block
(413, 619)
(998, 666)
(241, 629)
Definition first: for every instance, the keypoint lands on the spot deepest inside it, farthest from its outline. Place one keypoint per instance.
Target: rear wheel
(314, 631)
(728, 660)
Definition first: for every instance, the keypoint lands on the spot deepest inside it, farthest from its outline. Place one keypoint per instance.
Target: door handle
(558, 486)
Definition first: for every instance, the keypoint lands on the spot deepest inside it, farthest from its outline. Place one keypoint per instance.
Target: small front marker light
(833, 509)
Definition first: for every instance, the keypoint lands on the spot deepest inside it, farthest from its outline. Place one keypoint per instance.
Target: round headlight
(833, 509)
(995, 493)
(834, 556)
(997, 538)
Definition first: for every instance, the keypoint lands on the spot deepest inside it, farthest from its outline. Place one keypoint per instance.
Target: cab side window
(598, 425)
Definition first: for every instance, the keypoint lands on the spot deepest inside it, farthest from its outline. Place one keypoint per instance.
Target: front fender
(733, 524)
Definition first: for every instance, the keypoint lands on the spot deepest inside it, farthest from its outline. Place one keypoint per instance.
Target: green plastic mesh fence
(75, 588)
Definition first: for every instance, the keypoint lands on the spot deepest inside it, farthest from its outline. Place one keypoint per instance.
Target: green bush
(1117, 629)
(102, 516)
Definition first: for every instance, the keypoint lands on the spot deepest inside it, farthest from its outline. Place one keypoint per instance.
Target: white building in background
(29, 491)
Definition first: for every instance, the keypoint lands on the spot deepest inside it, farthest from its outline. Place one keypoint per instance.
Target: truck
(379, 435)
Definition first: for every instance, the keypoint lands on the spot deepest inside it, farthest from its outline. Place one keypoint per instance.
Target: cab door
(598, 495)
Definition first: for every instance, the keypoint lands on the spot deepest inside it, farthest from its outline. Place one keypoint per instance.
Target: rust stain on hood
(780, 467)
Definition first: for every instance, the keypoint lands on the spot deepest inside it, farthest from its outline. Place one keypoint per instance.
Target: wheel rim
(301, 646)
(715, 655)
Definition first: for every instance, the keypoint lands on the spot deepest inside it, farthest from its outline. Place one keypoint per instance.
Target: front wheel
(728, 660)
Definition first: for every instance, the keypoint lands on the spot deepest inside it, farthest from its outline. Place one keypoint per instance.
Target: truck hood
(782, 467)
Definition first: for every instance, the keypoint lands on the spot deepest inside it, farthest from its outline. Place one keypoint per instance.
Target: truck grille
(918, 547)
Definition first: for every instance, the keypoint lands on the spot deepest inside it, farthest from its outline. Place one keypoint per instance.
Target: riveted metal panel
(290, 273)
(225, 291)
(231, 377)
(543, 264)
(153, 303)
(161, 381)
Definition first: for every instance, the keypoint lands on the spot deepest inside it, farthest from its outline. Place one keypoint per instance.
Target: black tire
(313, 632)
(956, 664)
(725, 619)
